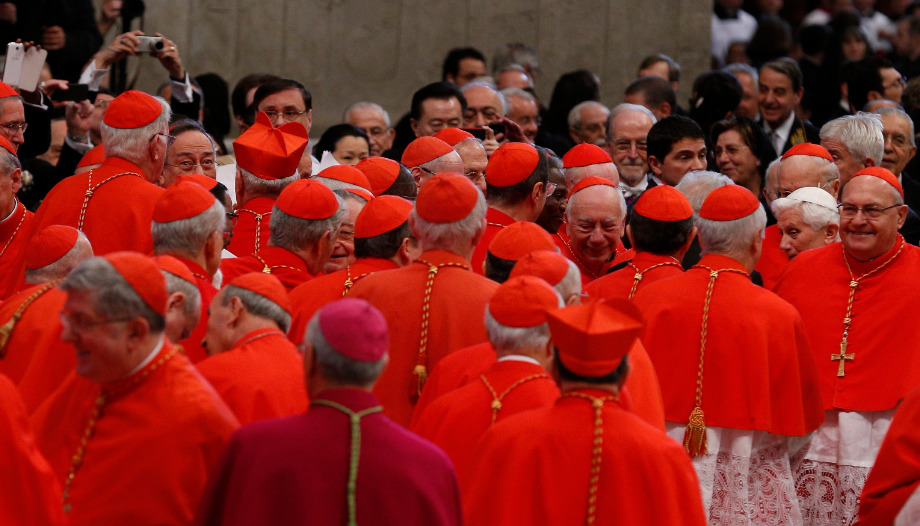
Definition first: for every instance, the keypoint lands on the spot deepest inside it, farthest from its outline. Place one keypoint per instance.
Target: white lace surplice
(832, 471)
(746, 479)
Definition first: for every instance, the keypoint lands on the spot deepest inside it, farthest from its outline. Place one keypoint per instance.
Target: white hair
(862, 134)
(903, 115)
(574, 118)
(258, 305)
(445, 234)
(697, 184)
(80, 251)
(570, 284)
(174, 283)
(186, 237)
(505, 338)
(814, 215)
(130, 144)
(728, 236)
(517, 92)
(267, 187)
(484, 84)
(618, 197)
(366, 105)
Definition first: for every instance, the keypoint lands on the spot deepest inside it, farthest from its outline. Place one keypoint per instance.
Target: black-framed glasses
(849, 210)
(427, 170)
(188, 165)
(81, 325)
(13, 127)
(169, 138)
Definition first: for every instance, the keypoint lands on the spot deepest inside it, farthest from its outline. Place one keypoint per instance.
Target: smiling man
(846, 296)
(675, 146)
(900, 148)
(780, 92)
(595, 220)
(191, 153)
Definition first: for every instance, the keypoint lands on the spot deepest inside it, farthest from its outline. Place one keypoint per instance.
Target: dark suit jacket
(911, 191)
(802, 131)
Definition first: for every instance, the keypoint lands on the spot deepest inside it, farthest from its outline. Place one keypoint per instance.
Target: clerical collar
(150, 357)
(13, 211)
(518, 358)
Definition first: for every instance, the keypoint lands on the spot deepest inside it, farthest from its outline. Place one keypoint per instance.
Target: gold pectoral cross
(842, 357)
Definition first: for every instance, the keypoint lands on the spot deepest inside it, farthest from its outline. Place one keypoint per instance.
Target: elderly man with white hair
(806, 219)
(588, 123)
(375, 122)
(484, 105)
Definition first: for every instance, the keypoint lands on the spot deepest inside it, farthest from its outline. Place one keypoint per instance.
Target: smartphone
(497, 127)
(75, 92)
(479, 133)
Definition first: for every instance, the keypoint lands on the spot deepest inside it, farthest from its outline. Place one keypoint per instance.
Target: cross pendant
(842, 357)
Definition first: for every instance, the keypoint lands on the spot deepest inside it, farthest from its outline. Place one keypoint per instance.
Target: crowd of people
(500, 309)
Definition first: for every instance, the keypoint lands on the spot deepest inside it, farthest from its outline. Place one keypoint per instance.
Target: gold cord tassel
(421, 376)
(695, 435)
(5, 331)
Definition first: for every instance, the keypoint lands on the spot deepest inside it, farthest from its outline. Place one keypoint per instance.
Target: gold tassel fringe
(5, 331)
(695, 435)
(421, 376)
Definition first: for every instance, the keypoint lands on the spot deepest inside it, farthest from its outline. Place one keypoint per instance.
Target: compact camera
(149, 44)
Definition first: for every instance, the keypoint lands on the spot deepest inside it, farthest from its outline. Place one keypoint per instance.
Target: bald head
(595, 221)
(799, 171)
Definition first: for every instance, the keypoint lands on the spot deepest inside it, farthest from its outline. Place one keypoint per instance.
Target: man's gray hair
(258, 305)
(574, 118)
(618, 197)
(570, 284)
(8, 162)
(625, 107)
(719, 237)
(113, 297)
(903, 115)
(192, 295)
(186, 237)
(366, 105)
(337, 367)
(862, 134)
(445, 234)
(80, 251)
(294, 233)
(505, 338)
(814, 215)
(131, 144)
(517, 92)
(743, 69)
(697, 184)
(481, 83)
(268, 187)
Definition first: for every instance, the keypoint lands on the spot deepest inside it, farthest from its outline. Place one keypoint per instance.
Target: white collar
(150, 357)
(15, 207)
(518, 358)
(634, 190)
(784, 128)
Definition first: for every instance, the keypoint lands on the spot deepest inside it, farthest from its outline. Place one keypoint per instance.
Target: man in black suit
(780, 92)
(900, 147)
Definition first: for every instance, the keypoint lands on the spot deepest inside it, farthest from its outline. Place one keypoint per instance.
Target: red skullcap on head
(523, 302)
(423, 150)
(271, 153)
(809, 149)
(593, 338)
(550, 266)
(7, 91)
(209, 183)
(143, 276)
(50, 245)
(663, 203)
(590, 181)
(182, 200)
(307, 199)
(519, 239)
(883, 174)
(360, 192)
(95, 156)
(265, 285)
(355, 329)
(381, 172)
(585, 154)
(381, 215)
(346, 174)
(511, 163)
(174, 267)
(728, 203)
(454, 136)
(445, 198)
(132, 109)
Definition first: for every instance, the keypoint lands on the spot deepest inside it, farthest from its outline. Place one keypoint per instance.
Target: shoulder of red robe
(96, 155)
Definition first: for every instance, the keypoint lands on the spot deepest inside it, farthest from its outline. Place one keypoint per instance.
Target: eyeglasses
(188, 166)
(474, 176)
(288, 115)
(899, 83)
(550, 188)
(849, 210)
(14, 126)
(81, 325)
(527, 120)
(169, 138)
(427, 170)
(731, 150)
(623, 146)
(488, 113)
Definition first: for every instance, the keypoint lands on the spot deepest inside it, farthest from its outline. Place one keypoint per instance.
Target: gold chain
(421, 368)
(597, 447)
(91, 189)
(276, 332)
(695, 435)
(848, 317)
(77, 459)
(16, 230)
(6, 330)
(258, 224)
(497, 399)
(266, 269)
(640, 273)
(349, 282)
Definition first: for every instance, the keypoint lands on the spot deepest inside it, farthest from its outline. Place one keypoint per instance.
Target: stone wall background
(383, 50)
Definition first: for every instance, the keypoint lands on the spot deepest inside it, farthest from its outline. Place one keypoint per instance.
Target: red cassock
(456, 311)
(769, 387)
(773, 260)
(118, 214)
(621, 254)
(295, 471)
(279, 262)
(260, 377)
(14, 234)
(496, 220)
(535, 469)
(457, 421)
(316, 293)
(254, 216)
(647, 266)
(36, 356)
(31, 495)
(641, 394)
(881, 372)
(192, 346)
(147, 461)
(896, 473)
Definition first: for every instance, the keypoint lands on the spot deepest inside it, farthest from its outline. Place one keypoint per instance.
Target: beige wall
(383, 50)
